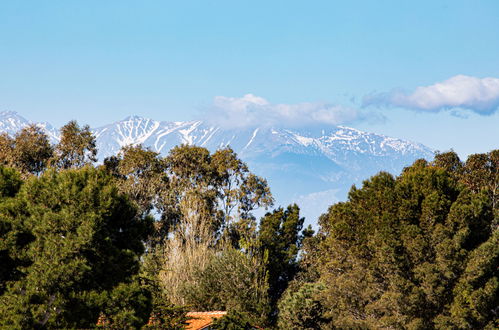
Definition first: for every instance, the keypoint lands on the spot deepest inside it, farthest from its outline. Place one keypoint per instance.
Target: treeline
(141, 239)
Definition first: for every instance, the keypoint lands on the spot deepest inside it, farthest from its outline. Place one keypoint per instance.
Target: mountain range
(314, 167)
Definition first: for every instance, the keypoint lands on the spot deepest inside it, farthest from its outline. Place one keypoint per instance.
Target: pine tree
(83, 255)
(281, 237)
(417, 251)
(13, 236)
(301, 308)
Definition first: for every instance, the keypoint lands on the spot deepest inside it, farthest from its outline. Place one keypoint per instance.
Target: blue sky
(357, 63)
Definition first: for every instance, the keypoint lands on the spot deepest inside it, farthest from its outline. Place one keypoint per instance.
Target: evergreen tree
(13, 237)
(280, 235)
(84, 254)
(410, 252)
(301, 308)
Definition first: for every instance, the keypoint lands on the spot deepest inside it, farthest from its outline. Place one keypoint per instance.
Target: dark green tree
(402, 251)
(280, 236)
(13, 237)
(301, 308)
(234, 320)
(83, 257)
(476, 295)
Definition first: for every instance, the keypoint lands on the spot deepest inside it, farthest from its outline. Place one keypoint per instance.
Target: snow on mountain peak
(297, 163)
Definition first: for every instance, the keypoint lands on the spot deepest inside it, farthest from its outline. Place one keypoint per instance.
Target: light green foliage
(31, 151)
(222, 180)
(208, 200)
(6, 149)
(85, 248)
(141, 175)
(76, 147)
(232, 281)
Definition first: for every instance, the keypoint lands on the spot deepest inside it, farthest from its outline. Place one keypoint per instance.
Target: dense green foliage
(301, 307)
(233, 321)
(232, 281)
(76, 147)
(280, 236)
(141, 239)
(79, 241)
(418, 251)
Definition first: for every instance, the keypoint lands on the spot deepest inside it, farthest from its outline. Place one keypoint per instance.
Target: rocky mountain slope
(314, 167)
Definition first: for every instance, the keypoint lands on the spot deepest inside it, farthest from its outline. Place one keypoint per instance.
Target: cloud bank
(480, 95)
(251, 110)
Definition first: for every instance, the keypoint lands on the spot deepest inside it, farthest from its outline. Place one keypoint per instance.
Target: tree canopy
(417, 251)
(141, 239)
(83, 244)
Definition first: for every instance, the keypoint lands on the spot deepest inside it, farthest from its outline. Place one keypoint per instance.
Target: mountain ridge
(298, 163)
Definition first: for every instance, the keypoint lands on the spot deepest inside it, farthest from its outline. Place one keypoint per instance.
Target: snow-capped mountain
(11, 122)
(314, 167)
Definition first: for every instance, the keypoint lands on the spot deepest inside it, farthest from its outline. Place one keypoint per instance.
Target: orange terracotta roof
(200, 320)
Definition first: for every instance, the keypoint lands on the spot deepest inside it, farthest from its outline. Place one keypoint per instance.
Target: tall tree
(301, 308)
(410, 252)
(208, 195)
(76, 148)
(6, 149)
(13, 236)
(141, 174)
(32, 150)
(83, 256)
(225, 182)
(280, 236)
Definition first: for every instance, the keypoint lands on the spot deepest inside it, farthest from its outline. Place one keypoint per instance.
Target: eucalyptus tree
(76, 148)
(31, 150)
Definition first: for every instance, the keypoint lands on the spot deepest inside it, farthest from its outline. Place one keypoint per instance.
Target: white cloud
(251, 110)
(480, 95)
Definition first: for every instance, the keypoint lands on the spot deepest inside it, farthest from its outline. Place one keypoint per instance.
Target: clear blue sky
(99, 61)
